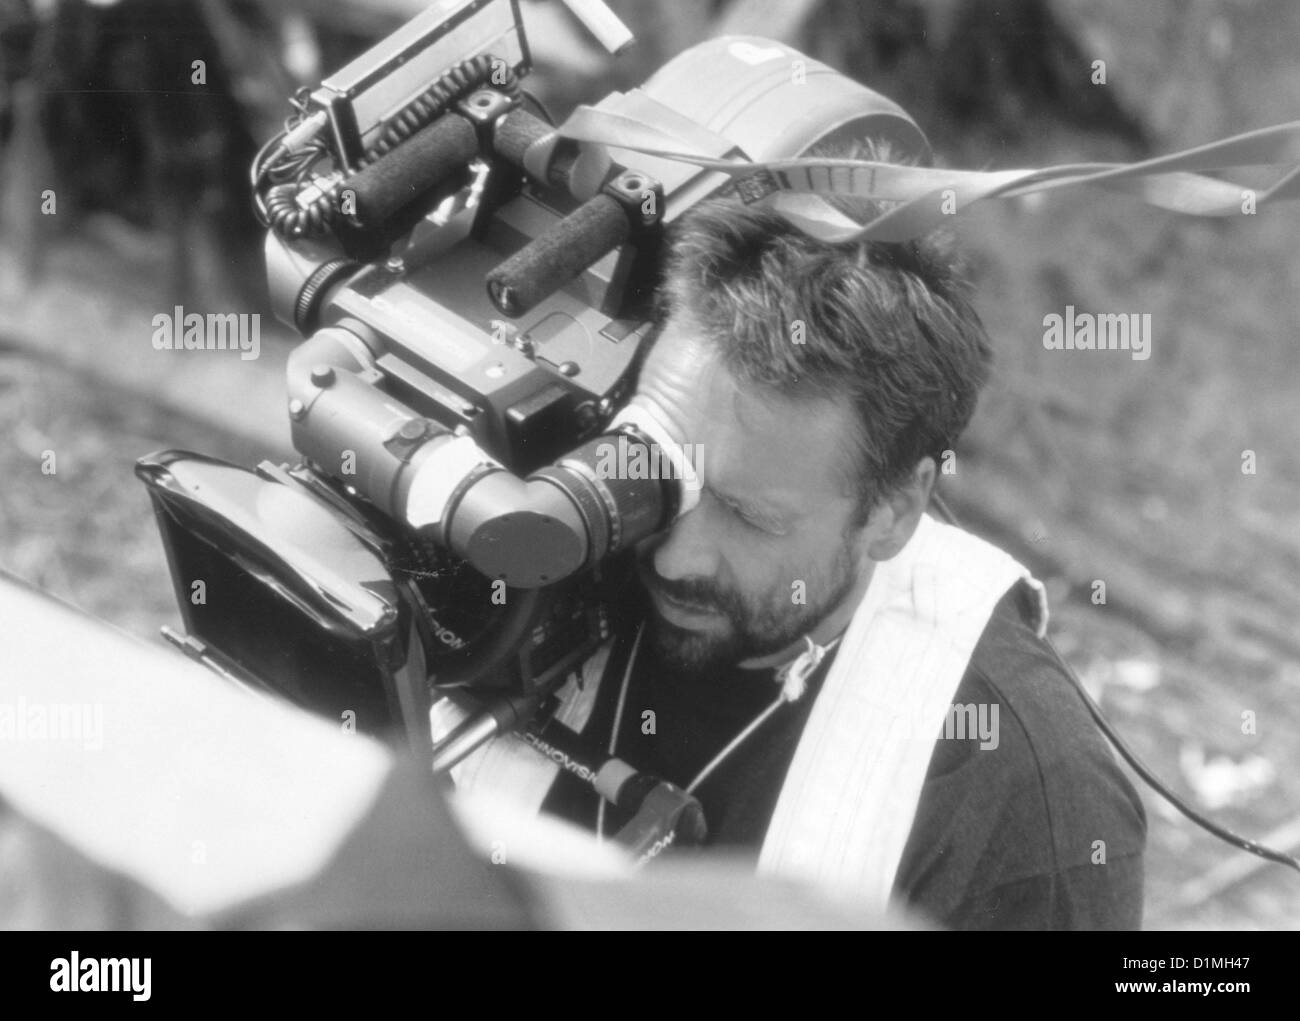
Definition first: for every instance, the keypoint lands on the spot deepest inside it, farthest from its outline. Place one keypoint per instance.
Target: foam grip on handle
(516, 132)
(551, 260)
(423, 161)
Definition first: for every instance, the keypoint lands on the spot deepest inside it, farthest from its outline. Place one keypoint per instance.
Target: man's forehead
(752, 442)
(685, 366)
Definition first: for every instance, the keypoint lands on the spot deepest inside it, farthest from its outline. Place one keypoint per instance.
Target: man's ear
(894, 520)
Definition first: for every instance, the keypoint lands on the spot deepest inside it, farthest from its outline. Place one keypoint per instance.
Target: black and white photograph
(649, 465)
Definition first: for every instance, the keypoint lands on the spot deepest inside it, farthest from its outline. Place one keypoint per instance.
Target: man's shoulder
(1028, 794)
(1045, 730)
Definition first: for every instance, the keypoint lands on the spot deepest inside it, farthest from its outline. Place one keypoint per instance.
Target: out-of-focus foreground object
(139, 791)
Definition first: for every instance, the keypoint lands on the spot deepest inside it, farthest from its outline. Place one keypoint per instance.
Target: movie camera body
(475, 290)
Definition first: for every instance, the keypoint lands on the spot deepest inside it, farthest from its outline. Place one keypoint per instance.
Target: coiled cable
(279, 208)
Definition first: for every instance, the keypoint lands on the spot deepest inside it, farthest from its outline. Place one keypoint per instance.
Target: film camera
(475, 288)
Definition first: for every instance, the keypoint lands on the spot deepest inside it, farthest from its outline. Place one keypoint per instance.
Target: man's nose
(688, 550)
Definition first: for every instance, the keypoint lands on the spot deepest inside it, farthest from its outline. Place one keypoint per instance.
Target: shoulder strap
(845, 811)
(927, 198)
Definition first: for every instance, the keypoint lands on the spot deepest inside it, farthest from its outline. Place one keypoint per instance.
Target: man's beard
(747, 628)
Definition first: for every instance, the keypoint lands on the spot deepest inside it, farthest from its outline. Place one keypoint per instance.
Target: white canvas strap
(925, 198)
(850, 797)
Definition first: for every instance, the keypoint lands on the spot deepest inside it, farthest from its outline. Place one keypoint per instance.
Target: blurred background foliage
(1087, 466)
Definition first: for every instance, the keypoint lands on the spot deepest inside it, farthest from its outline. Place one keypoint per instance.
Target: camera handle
(619, 205)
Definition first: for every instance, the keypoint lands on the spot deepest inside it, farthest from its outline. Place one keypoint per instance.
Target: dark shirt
(1042, 831)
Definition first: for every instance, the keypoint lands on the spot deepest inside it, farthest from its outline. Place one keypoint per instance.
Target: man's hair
(889, 327)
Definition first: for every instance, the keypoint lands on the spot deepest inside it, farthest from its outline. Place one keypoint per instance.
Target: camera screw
(413, 429)
(509, 335)
(641, 196)
(395, 264)
(297, 409)
(485, 106)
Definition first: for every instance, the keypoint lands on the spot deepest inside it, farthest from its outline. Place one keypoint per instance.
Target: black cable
(1139, 767)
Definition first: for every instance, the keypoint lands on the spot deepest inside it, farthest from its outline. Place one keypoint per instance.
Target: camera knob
(322, 376)
(413, 429)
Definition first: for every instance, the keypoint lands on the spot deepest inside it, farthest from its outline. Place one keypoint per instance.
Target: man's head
(820, 385)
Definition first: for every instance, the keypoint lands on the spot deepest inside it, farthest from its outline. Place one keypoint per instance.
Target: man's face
(770, 550)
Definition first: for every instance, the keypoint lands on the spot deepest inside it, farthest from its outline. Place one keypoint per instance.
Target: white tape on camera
(437, 477)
